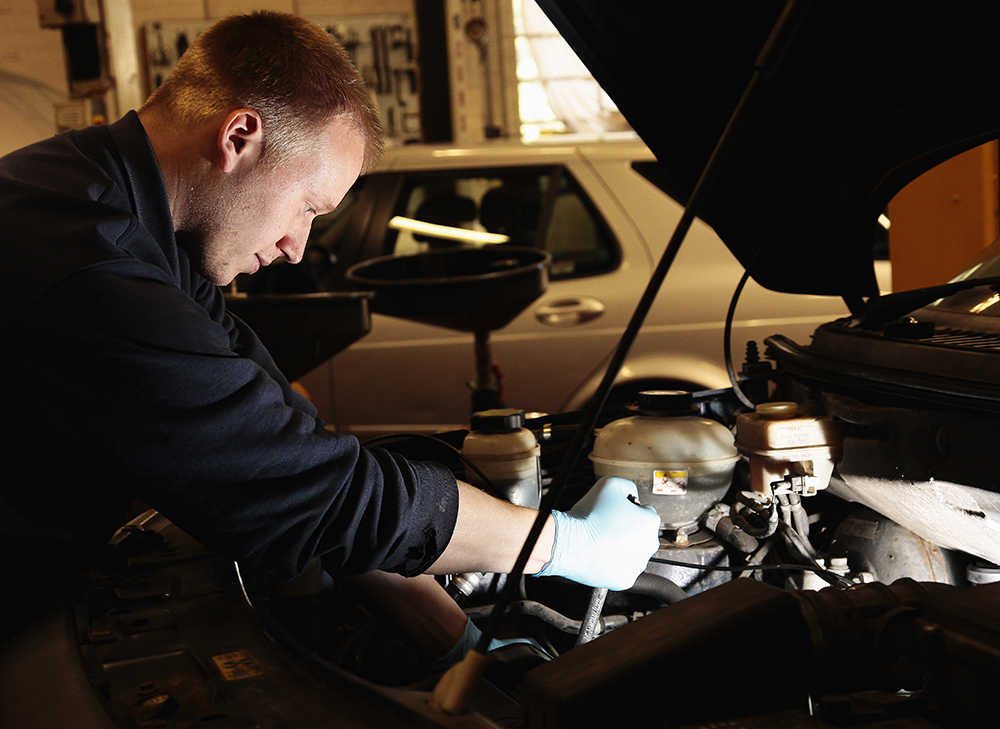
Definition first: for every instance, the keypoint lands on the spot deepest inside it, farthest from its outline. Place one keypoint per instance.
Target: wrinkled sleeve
(153, 396)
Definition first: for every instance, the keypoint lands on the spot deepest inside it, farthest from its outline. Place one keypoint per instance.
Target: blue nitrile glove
(605, 540)
(468, 642)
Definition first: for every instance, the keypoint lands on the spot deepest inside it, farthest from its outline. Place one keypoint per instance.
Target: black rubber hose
(659, 587)
(546, 614)
(726, 529)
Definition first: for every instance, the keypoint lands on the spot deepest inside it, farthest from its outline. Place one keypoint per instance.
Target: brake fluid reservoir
(507, 453)
(681, 463)
(789, 449)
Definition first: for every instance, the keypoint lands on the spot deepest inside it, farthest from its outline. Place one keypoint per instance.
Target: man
(127, 379)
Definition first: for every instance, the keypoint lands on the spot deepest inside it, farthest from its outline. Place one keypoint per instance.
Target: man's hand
(469, 641)
(606, 539)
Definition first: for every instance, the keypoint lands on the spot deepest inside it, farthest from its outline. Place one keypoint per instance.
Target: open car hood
(866, 97)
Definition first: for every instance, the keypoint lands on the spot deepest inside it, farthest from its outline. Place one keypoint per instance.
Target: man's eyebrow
(322, 204)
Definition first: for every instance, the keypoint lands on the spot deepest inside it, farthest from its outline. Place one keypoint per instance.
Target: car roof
(510, 152)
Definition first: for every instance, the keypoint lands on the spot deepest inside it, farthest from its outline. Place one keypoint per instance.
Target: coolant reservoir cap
(777, 410)
(497, 420)
(664, 403)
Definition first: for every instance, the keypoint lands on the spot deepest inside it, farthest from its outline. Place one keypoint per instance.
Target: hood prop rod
(455, 687)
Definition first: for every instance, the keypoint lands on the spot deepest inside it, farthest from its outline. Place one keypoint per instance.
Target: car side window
(537, 206)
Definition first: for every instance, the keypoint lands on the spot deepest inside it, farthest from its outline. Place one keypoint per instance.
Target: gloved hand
(605, 540)
(468, 642)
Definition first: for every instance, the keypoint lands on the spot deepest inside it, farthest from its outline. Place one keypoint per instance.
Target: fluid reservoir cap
(497, 420)
(777, 426)
(664, 403)
(982, 573)
(777, 410)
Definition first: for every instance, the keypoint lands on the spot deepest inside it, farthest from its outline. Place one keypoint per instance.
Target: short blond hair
(284, 67)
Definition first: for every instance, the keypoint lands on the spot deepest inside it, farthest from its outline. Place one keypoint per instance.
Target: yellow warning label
(670, 483)
(240, 664)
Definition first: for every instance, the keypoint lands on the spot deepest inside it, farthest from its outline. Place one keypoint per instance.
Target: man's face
(250, 219)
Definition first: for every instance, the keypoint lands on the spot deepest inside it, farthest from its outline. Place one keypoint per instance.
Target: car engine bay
(788, 599)
(830, 525)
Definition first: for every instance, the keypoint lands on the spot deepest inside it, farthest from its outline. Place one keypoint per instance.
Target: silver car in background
(591, 206)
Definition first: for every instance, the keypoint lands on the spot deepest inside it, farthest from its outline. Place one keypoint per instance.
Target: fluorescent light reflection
(447, 232)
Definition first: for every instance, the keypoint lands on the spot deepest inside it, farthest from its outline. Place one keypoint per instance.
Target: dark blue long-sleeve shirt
(126, 378)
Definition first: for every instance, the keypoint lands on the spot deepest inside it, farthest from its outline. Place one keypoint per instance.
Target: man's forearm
(489, 534)
(418, 606)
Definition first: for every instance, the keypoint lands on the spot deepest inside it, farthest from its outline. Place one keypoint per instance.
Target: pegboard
(383, 47)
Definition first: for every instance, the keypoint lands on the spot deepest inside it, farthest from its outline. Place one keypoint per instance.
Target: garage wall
(144, 11)
(32, 76)
(32, 70)
(481, 75)
(943, 219)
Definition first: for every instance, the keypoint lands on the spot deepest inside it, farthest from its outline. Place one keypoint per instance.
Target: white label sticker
(670, 483)
(240, 664)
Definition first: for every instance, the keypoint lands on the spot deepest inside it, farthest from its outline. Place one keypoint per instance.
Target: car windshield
(984, 300)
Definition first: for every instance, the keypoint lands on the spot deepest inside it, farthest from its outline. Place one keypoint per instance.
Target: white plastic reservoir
(507, 454)
(680, 462)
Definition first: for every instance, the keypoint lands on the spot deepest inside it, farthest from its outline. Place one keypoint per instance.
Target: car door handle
(569, 312)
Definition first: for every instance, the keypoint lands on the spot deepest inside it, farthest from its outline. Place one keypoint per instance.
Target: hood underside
(865, 98)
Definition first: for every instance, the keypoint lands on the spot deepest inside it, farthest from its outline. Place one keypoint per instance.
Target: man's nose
(293, 246)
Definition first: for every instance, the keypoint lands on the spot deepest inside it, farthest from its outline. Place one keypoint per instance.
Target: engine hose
(800, 520)
(756, 558)
(548, 615)
(794, 540)
(653, 585)
(755, 514)
(726, 529)
(657, 586)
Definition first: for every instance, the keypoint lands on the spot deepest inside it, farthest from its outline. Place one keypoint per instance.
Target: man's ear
(241, 140)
